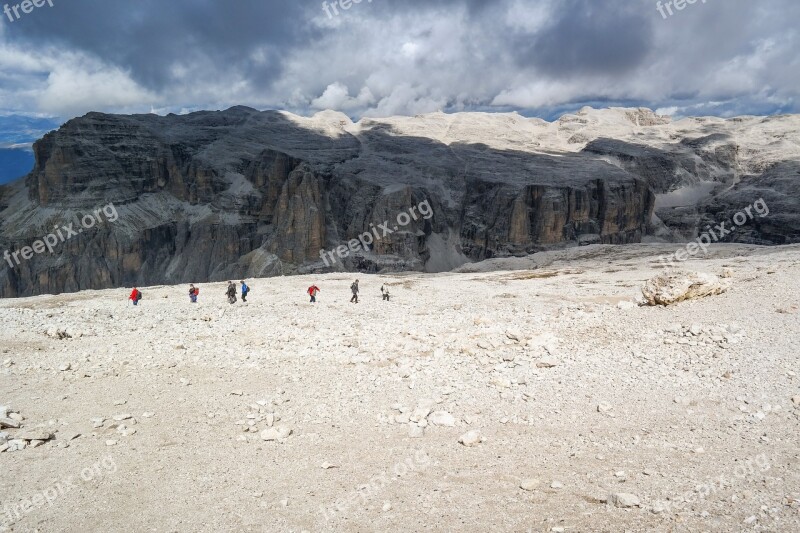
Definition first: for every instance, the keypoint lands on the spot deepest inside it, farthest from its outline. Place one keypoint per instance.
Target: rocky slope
(242, 193)
(589, 413)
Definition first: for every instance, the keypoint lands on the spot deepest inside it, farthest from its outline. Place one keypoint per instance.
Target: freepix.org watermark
(665, 8)
(743, 470)
(376, 233)
(719, 232)
(61, 234)
(376, 485)
(14, 512)
(332, 8)
(26, 6)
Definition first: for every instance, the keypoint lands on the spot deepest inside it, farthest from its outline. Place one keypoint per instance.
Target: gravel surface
(531, 394)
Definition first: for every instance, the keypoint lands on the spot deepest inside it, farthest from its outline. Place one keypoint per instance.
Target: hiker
(231, 293)
(245, 290)
(193, 293)
(135, 296)
(385, 293)
(354, 288)
(312, 291)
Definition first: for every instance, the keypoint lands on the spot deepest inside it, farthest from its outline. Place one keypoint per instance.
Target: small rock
(34, 434)
(276, 433)
(514, 335)
(98, 422)
(16, 445)
(9, 423)
(327, 466)
(624, 499)
(387, 506)
(148, 414)
(420, 413)
(796, 401)
(415, 431)
(111, 442)
(530, 484)
(442, 418)
(604, 407)
(546, 362)
(124, 416)
(557, 485)
(65, 367)
(471, 438)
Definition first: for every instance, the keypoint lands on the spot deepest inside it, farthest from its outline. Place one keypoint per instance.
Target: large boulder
(670, 288)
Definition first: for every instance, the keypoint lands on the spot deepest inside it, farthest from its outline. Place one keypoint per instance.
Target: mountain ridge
(214, 195)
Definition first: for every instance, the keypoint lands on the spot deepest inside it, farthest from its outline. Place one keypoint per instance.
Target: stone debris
(530, 484)
(546, 362)
(276, 433)
(471, 438)
(9, 423)
(604, 407)
(671, 288)
(624, 499)
(442, 418)
(573, 390)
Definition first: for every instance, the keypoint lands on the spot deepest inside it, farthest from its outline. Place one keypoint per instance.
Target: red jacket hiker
(135, 296)
(312, 291)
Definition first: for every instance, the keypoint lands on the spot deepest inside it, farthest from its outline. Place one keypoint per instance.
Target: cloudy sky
(389, 57)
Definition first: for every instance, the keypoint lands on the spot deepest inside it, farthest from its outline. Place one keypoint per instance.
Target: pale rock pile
(262, 418)
(718, 336)
(20, 438)
(671, 288)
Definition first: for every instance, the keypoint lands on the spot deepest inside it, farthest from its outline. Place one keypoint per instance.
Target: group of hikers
(314, 290)
(231, 293)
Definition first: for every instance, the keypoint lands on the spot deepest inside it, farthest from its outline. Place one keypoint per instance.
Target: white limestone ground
(540, 399)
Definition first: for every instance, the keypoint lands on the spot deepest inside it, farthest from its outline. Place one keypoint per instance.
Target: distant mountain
(211, 196)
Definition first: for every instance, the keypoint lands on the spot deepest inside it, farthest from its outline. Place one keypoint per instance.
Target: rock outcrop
(241, 193)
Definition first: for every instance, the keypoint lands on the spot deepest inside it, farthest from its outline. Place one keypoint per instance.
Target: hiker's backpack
(138, 295)
(196, 291)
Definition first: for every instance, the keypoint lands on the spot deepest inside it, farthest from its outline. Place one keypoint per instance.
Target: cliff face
(216, 195)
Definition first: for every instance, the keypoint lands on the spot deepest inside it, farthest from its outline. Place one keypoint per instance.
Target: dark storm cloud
(400, 56)
(152, 37)
(589, 37)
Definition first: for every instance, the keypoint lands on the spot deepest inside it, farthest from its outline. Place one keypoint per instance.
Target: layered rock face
(211, 196)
